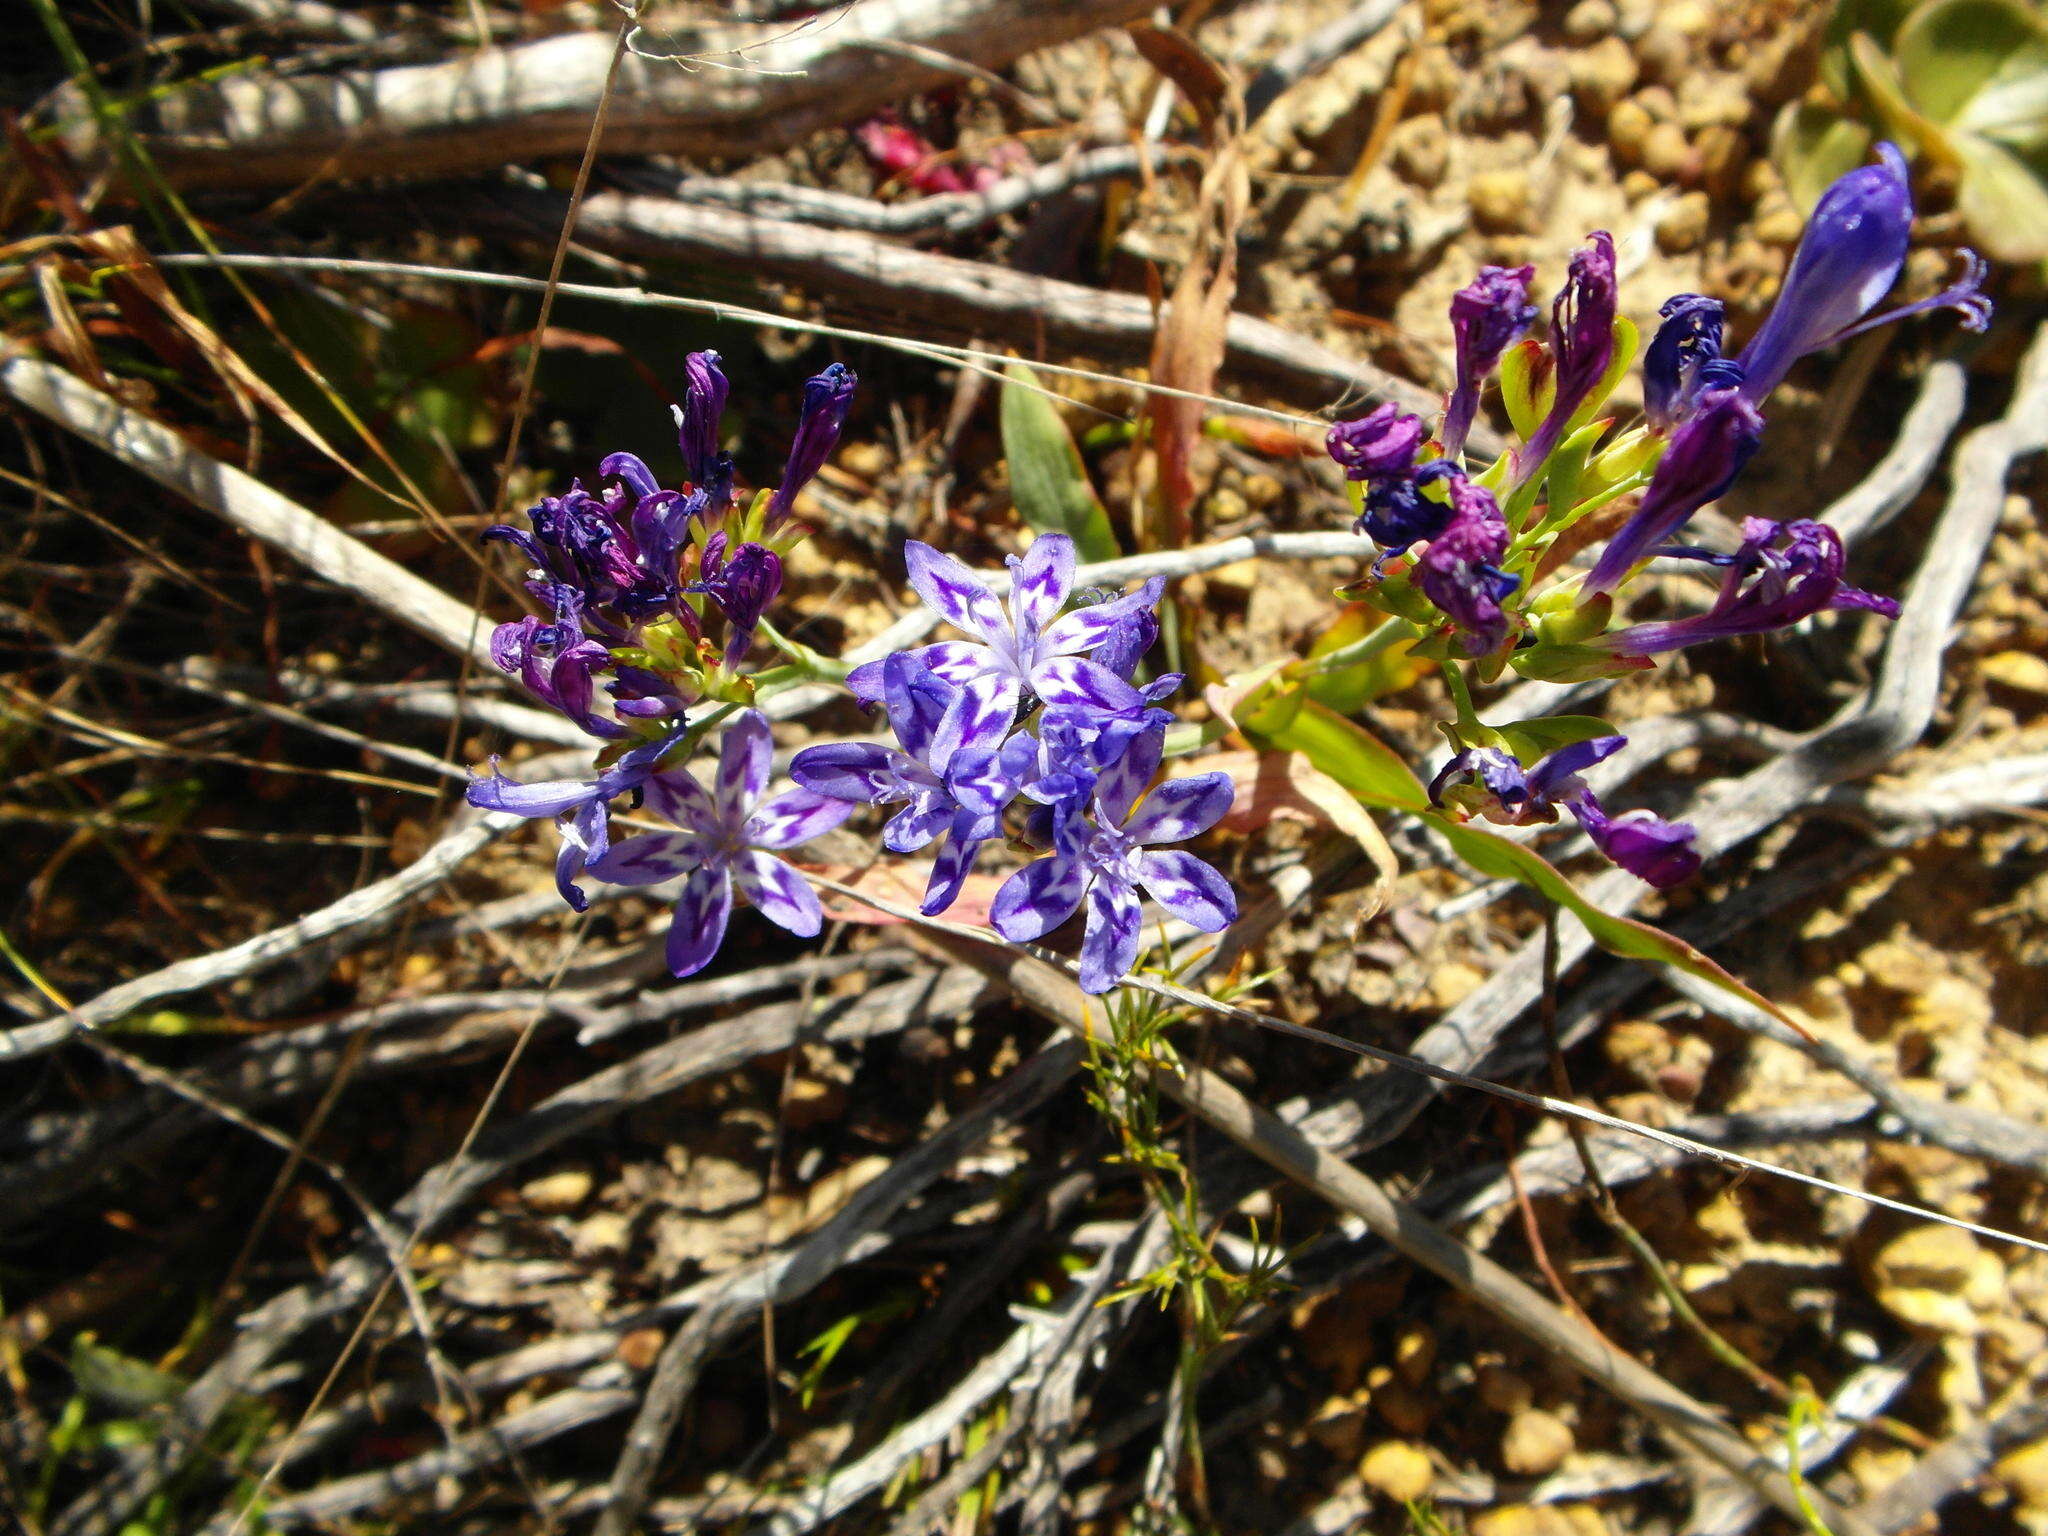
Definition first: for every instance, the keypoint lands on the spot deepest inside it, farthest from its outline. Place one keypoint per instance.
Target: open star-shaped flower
(1028, 644)
(725, 839)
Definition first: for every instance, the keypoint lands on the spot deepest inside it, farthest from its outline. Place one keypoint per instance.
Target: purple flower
(1581, 344)
(1783, 573)
(1383, 442)
(1460, 570)
(1106, 853)
(720, 843)
(1487, 315)
(1847, 260)
(741, 586)
(1032, 645)
(1659, 852)
(1487, 782)
(1684, 361)
(556, 662)
(704, 394)
(819, 420)
(1379, 448)
(953, 775)
(578, 806)
(1705, 455)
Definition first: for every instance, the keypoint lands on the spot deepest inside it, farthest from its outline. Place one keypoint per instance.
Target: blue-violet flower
(1032, 645)
(725, 838)
(1782, 574)
(1106, 853)
(953, 774)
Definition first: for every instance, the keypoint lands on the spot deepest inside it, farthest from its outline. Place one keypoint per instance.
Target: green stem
(1388, 634)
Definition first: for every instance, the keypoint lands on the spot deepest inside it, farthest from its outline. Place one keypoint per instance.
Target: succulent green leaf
(1882, 88)
(1978, 65)
(1048, 481)
(2003, 200)
(1812, 146)
(1879, 20)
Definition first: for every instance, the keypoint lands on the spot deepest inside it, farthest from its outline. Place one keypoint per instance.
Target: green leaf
(1532, 740)
(1879, 78)
(1624, 936)
(1978, 65)
(1281, 715)
(2003, 200)
(1048, 481)
(1878, 20)
(1812, 146)
(115, 1380)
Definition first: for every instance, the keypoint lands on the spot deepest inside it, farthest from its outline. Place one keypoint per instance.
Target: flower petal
(1077, 682)
(1188, 888)
(649, 859)
(916, 701)
(783, 896)
(917, 824)
(1122, 781)
(743, 762)
(955, 594)
(676, 796)
(950, 661)
(858, 772)
(1038, 898)
(1110, 947)
(795, 816)
(1181, 808)
(978, 716)
(949, 872)
(702, 912)
(1086, 628)
(1043, 578)
(545, 797)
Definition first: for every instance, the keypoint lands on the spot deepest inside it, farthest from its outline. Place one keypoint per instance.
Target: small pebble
(556, 1193)
(1502, 1390)
(1667, 155)
(1422, 150)
(1724, 151)
(1602, 75)
(1500, 200)
(1591, 20)
(1398, 1469)
(1628, 125)
(1536, 1443)
(1685, 226)
(1664, 54)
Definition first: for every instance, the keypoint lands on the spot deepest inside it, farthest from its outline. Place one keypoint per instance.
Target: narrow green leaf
(1624, 936)
(1282, 716)
(1048, 481)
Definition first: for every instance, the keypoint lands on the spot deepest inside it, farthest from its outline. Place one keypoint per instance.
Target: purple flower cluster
(660, 591)
(1490, 783)
(1041, 709)
(1702, 426)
